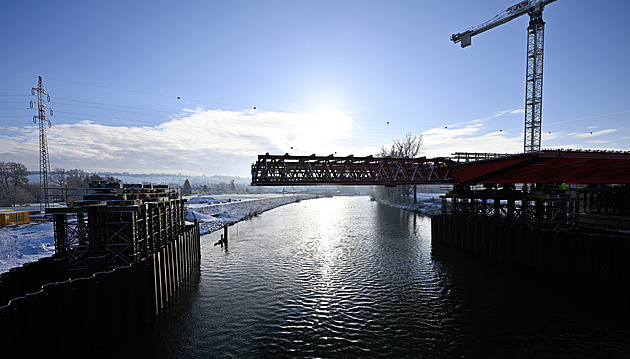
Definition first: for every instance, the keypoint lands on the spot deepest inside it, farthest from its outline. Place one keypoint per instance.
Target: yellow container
(14, 218)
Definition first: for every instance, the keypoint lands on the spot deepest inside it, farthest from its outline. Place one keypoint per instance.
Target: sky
(203, 87)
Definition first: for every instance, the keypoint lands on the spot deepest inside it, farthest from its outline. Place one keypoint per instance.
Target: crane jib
(522, 6)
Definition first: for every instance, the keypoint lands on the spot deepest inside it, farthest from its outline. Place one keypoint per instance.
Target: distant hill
(161, 178)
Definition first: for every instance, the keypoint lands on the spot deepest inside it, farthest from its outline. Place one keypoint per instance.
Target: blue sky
(202, 87)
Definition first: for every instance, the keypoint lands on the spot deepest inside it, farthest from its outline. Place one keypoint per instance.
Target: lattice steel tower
(534, 76)
(44, 161)
(534, 79)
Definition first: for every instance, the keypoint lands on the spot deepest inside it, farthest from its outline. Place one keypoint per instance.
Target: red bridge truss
(571, 166)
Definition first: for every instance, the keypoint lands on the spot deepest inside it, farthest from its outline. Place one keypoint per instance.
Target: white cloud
(196, 141)
(473, 136)
(596, 133)
(201, 141)
(549, 136)
(516, 111)
(445, 141)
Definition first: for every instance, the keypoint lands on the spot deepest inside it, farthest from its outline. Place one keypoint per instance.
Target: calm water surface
(347, 277)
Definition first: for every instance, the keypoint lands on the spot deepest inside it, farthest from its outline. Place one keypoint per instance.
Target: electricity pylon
(44, 161)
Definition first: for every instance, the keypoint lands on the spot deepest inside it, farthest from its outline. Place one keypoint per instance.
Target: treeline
(76, 178)
(70, 185)
(15, 187)
(223, 188)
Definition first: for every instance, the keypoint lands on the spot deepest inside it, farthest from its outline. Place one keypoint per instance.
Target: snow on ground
(25, 243)
(30, 242)
(213, 214)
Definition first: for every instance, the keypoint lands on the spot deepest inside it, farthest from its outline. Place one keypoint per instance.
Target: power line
(112, 105)
(117, 110)
(154, 94)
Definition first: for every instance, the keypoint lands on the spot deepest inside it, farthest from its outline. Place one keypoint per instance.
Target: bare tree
(408, 147)
(13, 183)
(58, 177)
(76, 178)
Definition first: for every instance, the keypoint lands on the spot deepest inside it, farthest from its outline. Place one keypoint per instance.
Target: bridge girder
(278, 170)
(570, 166)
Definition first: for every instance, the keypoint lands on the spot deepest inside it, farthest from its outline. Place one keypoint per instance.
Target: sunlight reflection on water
(347, 277)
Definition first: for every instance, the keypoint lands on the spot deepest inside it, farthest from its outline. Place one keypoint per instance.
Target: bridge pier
(541, 230)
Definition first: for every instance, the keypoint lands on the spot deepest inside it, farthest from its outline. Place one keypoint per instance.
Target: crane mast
(533, 82)
(535, 49)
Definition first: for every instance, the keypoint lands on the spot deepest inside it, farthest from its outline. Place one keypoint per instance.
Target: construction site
(123, 251)
(569, 205)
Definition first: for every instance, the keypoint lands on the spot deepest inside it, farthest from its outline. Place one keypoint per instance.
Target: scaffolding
(116, 225)
(460, 157)
(553, 209)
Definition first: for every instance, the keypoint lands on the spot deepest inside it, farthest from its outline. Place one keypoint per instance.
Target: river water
(348, 277)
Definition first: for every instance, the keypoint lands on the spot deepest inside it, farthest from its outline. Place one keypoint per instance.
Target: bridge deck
(570, 166)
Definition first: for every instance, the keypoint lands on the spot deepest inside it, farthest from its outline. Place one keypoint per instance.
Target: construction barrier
(30, 277)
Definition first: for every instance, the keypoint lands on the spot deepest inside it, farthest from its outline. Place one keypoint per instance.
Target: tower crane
(535, 44)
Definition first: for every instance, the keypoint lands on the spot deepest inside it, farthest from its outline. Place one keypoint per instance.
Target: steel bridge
(286, 170)
(570, 166)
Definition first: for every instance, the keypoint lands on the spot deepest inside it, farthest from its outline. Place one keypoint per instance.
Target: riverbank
(214, 213)
(428, 204)
(30, 242)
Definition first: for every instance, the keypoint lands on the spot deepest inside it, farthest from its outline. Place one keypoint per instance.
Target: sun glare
(328, 118)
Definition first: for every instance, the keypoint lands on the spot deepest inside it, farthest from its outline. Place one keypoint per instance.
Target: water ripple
(346, 277)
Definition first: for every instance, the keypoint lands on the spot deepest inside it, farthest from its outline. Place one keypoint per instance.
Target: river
(348, 277)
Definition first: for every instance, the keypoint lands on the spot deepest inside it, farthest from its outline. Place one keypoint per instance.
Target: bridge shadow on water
(509, 311)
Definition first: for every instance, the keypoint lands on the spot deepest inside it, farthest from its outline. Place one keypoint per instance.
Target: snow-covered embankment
(28, 243)
(25, 243)
(214, 215)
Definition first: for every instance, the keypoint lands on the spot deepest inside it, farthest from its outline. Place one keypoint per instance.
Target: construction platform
(115, 225)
